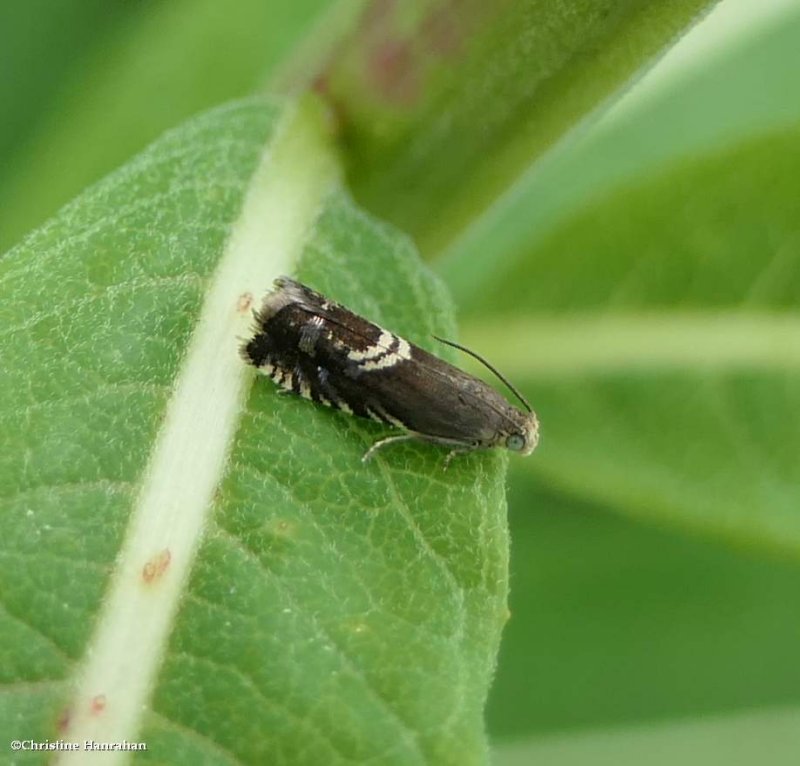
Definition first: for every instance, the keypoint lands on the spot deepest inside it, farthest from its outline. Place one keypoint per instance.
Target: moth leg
(383, 442)
(450, 455)
(458, 447)
(457, 451)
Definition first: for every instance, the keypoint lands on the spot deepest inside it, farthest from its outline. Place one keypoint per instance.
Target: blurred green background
(654, 560)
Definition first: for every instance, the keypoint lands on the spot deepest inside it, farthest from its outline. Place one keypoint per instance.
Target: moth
(322, 351)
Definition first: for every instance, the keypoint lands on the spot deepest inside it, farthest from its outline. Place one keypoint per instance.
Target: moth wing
(357, 366)
(431, 397)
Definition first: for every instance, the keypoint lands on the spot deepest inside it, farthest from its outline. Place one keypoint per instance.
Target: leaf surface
(443, 105)
(328, 611)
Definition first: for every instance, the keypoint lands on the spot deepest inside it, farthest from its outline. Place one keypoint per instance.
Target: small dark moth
(324, 352)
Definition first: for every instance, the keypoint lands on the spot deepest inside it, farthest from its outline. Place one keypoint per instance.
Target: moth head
(525, 436)
(522, 433)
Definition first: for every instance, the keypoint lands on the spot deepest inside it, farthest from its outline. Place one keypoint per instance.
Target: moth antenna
(502, 377)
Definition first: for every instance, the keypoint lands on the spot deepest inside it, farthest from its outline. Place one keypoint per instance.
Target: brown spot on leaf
(63, 720)
(393, 71)
(98, 704)
(154, 569)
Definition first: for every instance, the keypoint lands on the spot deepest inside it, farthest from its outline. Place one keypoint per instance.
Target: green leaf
(176, 535)
(145, 78)
(625, 624)
(653, 309)
(665, 341)
(735, 740)
(619, 283)
(39, 44)
(444, 105)
(678, 401)
(746, 91)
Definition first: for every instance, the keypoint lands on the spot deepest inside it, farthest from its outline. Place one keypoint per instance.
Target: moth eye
(515, 442)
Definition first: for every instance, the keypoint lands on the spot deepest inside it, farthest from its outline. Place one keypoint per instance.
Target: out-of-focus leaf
(40, 43)
(616, 624)
(749, 90)
(735, 740)
(336, 612)
(696, 426)
(176, 58)
(444, 103)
